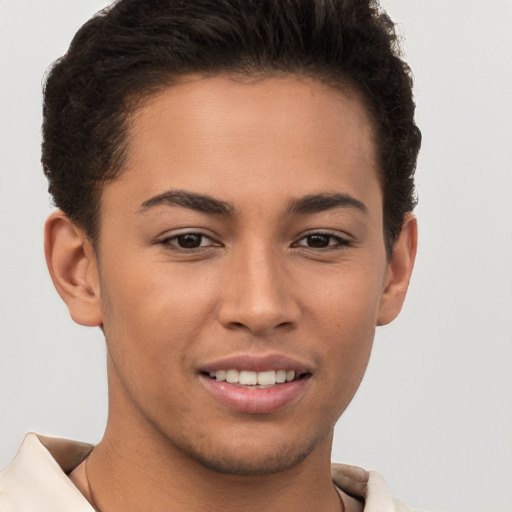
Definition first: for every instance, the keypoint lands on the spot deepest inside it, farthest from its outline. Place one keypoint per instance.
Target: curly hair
(135, 47)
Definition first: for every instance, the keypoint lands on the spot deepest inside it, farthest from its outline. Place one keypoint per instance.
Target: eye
(189, 241)
(322, 241)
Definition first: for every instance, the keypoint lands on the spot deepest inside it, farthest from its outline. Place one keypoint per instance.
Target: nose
(258, 293)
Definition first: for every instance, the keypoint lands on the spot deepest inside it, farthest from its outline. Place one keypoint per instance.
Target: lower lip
(254, 400)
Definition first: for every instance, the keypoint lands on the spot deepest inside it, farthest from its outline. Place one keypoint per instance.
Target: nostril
(238, 324)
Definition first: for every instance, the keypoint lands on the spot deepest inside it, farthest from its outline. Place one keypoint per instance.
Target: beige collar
(37, 480)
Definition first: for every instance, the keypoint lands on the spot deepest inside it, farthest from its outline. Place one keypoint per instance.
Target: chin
(255, 456)
(245, 465)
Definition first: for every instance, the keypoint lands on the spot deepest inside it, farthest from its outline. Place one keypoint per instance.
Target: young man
(235, 186)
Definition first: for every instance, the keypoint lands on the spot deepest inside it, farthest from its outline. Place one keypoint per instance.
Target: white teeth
(267, 378)
(220, 375)
(247, 378)
(232, 376)
(281, 376)
(250, 378)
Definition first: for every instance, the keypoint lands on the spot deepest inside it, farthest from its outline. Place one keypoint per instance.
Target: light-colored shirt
(37, 481)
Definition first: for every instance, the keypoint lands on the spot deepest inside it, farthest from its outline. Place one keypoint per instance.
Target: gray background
(434, 414)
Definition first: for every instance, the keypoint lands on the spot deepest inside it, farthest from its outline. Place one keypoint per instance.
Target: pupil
(318, 241)
(189, 241)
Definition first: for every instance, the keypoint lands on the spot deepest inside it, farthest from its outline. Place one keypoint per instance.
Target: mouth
(256, 380)
(256, 384)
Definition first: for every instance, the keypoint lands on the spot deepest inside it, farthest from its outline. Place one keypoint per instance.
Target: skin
(265, 279)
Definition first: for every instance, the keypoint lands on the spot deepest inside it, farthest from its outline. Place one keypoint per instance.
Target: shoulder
(37, 477)
(368, 487)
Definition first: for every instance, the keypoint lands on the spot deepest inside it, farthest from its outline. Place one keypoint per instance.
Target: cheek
(349, 340)
(346, 300)
(152, 318)
(344, 310)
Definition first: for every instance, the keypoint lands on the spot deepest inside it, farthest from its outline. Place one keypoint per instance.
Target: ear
(399, 271)
(73, 268)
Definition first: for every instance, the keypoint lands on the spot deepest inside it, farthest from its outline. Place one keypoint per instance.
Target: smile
(256, 383)
(254, 379)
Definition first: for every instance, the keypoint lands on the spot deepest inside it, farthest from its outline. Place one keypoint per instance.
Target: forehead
(247, 133)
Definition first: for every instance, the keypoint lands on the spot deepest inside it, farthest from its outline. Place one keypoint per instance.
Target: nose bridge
(258, 294)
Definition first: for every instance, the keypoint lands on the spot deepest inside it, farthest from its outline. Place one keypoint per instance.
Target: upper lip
(257, 363)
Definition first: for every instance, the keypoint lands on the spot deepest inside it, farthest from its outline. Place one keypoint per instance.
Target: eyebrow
(191, 200)
(313, 203)
(316, 203)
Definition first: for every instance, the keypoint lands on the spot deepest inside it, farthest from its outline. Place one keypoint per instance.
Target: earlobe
(399, 271)
(73, 268)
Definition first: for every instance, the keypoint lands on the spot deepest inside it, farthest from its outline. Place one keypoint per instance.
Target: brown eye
(321, 241)
(318, 241)
(189, 240)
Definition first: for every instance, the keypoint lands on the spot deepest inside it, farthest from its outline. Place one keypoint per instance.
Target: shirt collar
(37, 480)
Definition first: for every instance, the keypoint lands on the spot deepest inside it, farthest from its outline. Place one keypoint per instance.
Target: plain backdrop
(434, 413)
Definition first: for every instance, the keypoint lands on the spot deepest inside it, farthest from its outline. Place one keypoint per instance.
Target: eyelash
(339, 242)
(169, 241)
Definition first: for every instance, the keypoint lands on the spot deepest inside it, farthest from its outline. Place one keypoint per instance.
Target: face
(241, 268)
